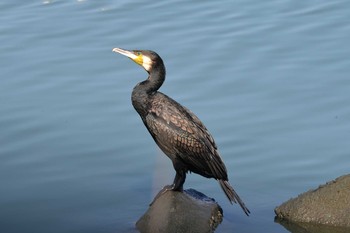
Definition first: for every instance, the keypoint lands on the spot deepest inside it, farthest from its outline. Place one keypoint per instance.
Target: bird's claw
(162, 191)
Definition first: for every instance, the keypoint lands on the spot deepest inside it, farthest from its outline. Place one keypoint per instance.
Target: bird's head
(145, 58)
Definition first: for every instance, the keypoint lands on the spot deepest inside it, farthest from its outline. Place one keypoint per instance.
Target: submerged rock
(180, 212)
(302, 227)
(329, 204)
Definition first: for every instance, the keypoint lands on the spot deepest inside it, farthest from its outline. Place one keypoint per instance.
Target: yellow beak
(130, 54)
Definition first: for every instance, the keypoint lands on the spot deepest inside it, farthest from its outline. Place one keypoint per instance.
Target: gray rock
(180, 212)
(329, 204)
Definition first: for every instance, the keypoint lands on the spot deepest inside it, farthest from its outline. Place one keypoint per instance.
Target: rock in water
(181, 212)
(328, 204)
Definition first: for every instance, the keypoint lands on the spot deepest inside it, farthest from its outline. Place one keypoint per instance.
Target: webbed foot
(162, 191)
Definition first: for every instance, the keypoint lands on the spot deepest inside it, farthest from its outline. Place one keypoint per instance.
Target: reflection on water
(268, 79)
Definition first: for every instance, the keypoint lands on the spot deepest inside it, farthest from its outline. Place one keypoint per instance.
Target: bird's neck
(155, 79)
(142, 93)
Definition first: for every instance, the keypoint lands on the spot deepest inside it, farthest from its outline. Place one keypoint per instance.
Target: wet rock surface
(181, 212)
(329, 204)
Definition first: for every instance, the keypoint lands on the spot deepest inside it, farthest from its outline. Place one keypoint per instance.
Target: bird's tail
(232, 195)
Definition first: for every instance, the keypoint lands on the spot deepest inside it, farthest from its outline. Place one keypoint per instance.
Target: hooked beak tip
(116, 50)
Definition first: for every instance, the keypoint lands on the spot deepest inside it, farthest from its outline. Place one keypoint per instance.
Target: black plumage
(176, 130)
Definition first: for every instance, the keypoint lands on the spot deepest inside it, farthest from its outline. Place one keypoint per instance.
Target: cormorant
(177, 131)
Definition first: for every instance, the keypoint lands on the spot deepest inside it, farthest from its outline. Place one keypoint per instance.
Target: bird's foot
(164, 190)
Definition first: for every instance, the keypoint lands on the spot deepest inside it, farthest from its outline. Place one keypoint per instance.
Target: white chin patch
(147, 63)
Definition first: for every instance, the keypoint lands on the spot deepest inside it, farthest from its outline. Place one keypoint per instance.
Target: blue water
(269, 79)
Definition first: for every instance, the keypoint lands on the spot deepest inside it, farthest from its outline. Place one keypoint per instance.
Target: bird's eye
(138, 53)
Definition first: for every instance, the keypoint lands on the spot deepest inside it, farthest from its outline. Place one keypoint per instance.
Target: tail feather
(232, 195)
